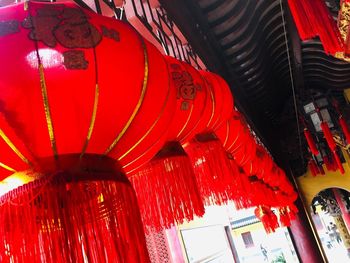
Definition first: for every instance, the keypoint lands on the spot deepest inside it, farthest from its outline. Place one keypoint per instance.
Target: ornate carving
(8, 27)
(75, 59)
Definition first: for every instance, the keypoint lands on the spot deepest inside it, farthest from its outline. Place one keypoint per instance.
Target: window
(247, 239)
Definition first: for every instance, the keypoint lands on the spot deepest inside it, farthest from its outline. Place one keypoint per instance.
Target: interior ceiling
(245, 41)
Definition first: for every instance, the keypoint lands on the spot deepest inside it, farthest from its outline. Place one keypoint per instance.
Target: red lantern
(171, 167)
(77, 83)
(209, 159)
(332, 145)
(70, 83)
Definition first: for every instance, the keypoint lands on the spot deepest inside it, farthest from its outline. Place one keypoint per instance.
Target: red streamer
(311, 142)
(328, 136)
(344, 128)
(338, 162)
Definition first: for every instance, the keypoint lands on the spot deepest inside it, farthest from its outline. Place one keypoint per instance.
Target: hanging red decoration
(171, 168)
(75, 213)
(74, 82)
(240, 185)
(69, 83)
(313, 167)
(332, 145)
(267, 217)
(208, 157)
(344, 128)
(284, 218)
(312, 19)
(167, 190)
(310, 141)
(211, 167)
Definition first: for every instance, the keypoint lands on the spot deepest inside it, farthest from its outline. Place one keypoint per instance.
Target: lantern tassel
(167, 190)
(62, 218)
(211, 167)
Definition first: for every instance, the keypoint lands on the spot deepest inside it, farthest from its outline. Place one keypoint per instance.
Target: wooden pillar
(305, 238)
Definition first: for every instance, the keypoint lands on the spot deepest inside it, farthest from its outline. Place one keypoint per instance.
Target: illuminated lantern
(209, 158)
(166, 186)
(75, 83)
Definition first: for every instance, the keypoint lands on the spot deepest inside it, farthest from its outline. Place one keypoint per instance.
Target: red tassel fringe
(167, 192)
(211, 167)
(55, 220)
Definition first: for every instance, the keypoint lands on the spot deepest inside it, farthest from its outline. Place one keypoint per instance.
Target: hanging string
(292, 84)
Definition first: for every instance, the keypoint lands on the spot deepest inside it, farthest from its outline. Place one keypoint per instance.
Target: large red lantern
(170, 194)
(75, 83)
(207, 154)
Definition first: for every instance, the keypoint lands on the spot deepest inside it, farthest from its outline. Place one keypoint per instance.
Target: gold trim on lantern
(227, 133)
(47, 110)
(6, 167)
(92, 121)
(187, 121)
(138, 105)
(213, 105)
(13, 147)
(151, 128)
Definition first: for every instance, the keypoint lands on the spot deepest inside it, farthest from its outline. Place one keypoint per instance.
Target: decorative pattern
(8, 27)
(75, 59)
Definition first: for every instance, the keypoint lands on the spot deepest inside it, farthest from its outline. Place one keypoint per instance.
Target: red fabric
(116, 64)
(311, 142)
(344, 128)
(312, 19)
(64, 217)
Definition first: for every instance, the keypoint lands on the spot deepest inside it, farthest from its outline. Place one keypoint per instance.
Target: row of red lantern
(205, 175)
(81, 87)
